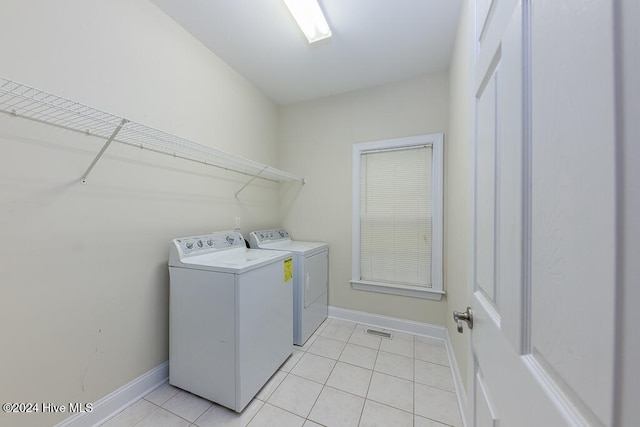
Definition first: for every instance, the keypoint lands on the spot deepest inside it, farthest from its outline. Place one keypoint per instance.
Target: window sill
(403, 290)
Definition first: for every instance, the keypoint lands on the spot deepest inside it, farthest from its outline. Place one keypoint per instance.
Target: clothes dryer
(310, 278)
(231, 320)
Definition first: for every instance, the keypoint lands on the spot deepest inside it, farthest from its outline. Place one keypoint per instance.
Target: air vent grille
(379, 333)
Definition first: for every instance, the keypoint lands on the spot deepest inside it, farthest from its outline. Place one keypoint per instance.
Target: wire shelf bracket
(101, 152)
(34, 104)
(249, 182)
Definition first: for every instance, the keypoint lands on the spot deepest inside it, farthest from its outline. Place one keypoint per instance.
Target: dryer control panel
(267, 236)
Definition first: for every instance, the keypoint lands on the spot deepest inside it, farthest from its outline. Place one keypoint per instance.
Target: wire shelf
(34, 104)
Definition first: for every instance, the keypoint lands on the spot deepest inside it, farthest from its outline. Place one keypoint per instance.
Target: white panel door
(543, 286)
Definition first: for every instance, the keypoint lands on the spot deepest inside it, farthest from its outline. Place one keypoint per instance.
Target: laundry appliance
(231, 319)
(310, 278)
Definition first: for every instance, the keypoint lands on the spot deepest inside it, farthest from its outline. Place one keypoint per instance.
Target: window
(397, 216)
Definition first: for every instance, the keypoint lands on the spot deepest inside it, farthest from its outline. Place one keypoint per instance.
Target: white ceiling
(374, 42)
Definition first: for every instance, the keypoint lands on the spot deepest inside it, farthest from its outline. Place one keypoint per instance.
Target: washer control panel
(266, 236)
(196, 245)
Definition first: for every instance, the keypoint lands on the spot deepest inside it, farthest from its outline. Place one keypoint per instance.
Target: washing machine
(230, 320)
(310, 278)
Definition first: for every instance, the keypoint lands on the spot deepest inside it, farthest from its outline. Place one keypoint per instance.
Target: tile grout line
(414, 380)
(306, 417)
(156, 408)
(261, 406)
(366, 395)
(364, 402)
(166, 410)
(325, 382)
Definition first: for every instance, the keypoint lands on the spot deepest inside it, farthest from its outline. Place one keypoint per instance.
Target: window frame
(437, 181)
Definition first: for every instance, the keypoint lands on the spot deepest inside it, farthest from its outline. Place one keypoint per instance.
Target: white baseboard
(401, 325)
(123, 397)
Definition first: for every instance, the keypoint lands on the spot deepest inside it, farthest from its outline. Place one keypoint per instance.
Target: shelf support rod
(83, 179)
(251, 180)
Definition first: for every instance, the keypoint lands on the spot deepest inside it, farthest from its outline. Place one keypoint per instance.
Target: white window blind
(396, 215)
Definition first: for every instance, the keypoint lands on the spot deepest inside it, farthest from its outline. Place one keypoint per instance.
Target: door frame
(627, 341)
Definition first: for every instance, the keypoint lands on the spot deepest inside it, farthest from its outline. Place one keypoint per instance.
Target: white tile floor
(341, 377)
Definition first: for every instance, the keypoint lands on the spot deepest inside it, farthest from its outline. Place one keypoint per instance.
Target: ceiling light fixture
(310, 19)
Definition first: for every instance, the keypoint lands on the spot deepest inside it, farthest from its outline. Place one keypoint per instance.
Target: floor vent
(379, 333)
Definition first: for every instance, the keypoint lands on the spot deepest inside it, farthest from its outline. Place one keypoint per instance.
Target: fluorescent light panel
(310, 19)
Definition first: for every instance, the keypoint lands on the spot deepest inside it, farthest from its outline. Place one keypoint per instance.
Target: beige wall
(458, 170)
(316, 139)
(84, 280)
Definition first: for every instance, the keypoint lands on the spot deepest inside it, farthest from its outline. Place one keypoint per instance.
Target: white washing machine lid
(224, 252)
